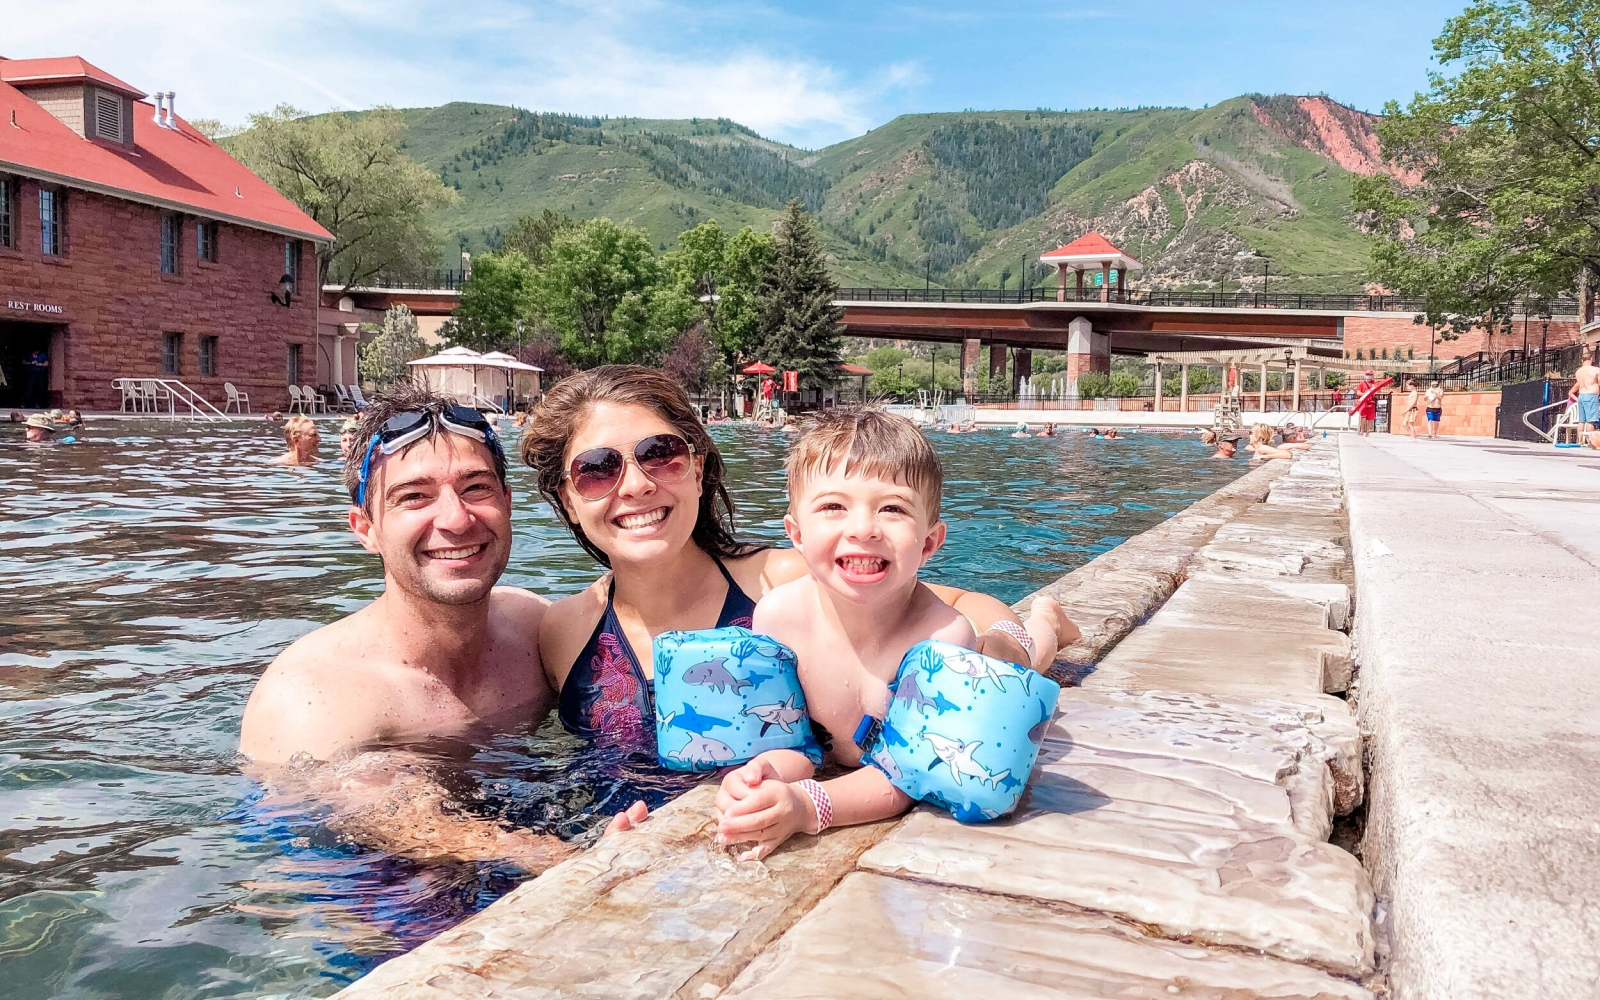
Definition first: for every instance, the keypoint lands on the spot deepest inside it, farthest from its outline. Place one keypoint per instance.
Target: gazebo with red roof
(1091, 251)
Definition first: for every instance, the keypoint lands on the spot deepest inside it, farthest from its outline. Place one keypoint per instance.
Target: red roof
(171, 168)
(850, 369)
(62, 69)
(1089, 245)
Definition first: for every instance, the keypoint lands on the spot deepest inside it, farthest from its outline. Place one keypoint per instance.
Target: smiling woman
(628, 467)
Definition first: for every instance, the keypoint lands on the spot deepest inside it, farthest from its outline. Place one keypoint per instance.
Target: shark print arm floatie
(724, 695)
(963, 730)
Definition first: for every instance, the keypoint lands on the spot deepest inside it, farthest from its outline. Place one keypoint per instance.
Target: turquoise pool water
(149, 573)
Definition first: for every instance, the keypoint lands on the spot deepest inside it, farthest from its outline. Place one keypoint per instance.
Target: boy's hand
(759, 807)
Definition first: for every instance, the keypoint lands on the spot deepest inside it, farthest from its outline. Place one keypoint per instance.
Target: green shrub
(1094, 385)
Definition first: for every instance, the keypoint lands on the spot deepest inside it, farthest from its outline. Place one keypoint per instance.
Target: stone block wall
(1471, 414)
(115, 304)
(1400, 336)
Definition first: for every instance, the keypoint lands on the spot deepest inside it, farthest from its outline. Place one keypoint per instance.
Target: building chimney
(172, 114)
(161, 109)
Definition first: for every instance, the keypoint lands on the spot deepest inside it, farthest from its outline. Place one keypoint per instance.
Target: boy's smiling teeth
(644, 520)
(863, 564)
(464, 552)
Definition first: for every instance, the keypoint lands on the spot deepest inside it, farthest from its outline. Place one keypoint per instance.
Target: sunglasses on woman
(665, 458)
(411, 426)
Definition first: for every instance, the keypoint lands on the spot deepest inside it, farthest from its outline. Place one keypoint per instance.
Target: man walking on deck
(1586, 393)
(1366, 403)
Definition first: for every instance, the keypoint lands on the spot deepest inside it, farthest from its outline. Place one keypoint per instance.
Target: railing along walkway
(153, 391)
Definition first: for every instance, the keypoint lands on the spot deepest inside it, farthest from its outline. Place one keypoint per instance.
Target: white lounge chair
(238, 401)
(356, 398)
(314, 399)
(342, 399)
(295, 404)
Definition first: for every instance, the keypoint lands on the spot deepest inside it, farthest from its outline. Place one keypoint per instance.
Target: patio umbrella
(759, 368)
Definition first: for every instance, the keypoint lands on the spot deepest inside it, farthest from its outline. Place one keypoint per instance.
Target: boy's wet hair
(866, 441)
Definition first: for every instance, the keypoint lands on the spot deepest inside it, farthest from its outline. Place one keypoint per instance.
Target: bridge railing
(1332, 302)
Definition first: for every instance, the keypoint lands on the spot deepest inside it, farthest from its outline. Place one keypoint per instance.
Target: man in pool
(441, 651)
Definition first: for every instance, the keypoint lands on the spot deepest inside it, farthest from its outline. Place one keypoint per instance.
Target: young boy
(864, 490)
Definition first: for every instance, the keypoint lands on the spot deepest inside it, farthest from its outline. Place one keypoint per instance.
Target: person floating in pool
(348, 432)
(300, 434)
(864, 491)
(1112, 435)
(40, 429)
(440, 651)
(1048, 432)
(1021, 431)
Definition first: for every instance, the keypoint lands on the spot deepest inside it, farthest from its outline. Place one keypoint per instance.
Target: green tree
(798, 321)
(495, 295)
(1498, 196)
(383, 358)
(1094, 385)
(1123, 384)
(347, 172)
(600, 287)
(722, 273)
(531, 234)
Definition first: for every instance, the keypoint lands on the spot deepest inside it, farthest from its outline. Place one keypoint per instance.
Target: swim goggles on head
(665, 458)
(412, 426)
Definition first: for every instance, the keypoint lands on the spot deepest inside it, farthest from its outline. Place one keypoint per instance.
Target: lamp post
(1544, 340)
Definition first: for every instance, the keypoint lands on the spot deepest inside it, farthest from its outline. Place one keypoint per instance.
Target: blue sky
(809, 73)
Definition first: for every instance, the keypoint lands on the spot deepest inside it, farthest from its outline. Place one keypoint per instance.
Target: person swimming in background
(1048, 432)
(1112, 435)
(1263, 448)
(347, 436)
(40, 429)
(300, 434)
(1227, 447)
(1021, 431)
(864, 494)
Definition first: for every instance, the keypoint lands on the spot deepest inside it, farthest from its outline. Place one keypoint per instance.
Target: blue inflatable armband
(724, 695)
(963, 729)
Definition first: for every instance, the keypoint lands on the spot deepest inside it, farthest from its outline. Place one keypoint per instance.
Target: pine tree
(799, 329)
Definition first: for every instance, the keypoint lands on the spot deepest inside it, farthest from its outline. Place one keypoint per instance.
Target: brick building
(133, 246)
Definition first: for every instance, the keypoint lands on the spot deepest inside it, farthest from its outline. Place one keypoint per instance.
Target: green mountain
(971, 198)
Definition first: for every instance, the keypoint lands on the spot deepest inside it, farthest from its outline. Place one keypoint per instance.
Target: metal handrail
(1550, 435)
(176, 390)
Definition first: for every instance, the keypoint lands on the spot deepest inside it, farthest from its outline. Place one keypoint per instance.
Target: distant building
(133, 246)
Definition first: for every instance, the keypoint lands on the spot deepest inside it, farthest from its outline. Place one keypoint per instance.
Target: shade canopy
(500, 359)
(759, 368)
(450, 357)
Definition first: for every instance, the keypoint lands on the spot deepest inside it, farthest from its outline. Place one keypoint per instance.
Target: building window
(7, 233)
(291, 262)
(208, 356)
(294, 364)
(169, 244)
(108, 116)
(171, 352)
(206, 241)
(51, 216)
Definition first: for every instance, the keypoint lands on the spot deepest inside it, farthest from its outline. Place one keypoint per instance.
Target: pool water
(150, 572)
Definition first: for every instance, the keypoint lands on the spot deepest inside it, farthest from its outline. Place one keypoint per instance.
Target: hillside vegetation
(970, 199)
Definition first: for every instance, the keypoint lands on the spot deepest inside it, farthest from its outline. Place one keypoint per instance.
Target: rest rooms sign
(38, 307)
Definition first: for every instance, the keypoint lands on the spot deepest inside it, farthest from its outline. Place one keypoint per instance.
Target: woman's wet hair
(561, 412)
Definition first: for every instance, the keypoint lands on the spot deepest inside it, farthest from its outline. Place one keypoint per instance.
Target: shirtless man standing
(442, 650)
(1586, 393)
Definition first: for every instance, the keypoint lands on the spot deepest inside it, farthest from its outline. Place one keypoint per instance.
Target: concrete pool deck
(1173, 840)
(1478, 565)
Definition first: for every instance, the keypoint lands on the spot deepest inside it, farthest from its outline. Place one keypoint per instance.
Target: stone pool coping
(1174, 831)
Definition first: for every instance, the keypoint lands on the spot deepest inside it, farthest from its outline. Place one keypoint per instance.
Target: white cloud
(227, 59)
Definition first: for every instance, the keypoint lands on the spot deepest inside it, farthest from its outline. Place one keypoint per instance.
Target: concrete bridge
(1088, 324)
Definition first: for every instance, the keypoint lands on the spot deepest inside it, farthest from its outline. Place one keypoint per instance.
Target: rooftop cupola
(1098, 256)
(85, 98)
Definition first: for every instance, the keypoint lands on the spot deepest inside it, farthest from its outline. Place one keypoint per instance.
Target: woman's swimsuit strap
(606, 693)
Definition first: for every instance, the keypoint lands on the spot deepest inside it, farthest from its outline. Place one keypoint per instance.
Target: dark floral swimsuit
(606, 696)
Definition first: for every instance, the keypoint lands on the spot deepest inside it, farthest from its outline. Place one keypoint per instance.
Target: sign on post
(791, 381)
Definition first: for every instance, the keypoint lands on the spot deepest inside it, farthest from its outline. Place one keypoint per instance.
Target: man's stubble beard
(456, 593)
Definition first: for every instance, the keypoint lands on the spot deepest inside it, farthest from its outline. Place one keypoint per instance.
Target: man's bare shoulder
(302, 702)
(522, 609)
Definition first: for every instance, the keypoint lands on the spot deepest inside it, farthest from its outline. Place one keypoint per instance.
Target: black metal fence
(436, 278)
(1153, 297)
(1518, 399)
(1481, 368)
